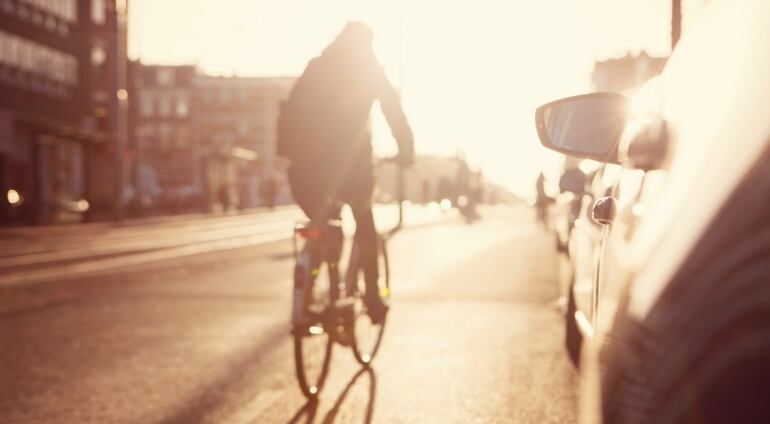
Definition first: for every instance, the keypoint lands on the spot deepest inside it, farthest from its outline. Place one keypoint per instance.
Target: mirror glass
(585, 126)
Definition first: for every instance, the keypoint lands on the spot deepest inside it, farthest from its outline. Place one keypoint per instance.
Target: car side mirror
(586, 126)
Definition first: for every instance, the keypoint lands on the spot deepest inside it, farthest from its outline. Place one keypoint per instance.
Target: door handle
(604, 210)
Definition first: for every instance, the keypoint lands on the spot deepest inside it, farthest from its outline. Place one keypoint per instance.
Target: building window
(147, 106)
(7, 50)
(148, 133)
(23, 12)
(37, 59)
(98, 56)
(50, 24)
(224, 96)
(182, 137)
(64, 9)
(98, 12)
(164, 106)
(7, 6)
(37, 18)
(182, 108)
(25, 57)
(209, 96)
(165, 77)
(164, 137)
(63, 29)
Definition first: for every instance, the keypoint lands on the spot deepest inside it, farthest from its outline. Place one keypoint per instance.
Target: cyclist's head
(356, 35)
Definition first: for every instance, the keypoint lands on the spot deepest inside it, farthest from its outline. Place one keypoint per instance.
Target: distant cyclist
(324, 132)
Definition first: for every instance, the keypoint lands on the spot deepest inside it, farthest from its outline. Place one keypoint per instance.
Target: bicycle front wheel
(367, 336)
(313, 332)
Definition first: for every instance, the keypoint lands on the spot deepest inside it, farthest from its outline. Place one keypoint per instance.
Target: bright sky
(472, 72)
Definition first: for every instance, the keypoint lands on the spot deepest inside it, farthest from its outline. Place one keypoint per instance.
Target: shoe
(376, 308)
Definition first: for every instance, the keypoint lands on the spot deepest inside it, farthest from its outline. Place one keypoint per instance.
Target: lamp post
(676, 22)
(121, 94)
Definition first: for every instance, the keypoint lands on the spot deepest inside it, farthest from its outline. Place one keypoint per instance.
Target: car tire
(701, 354)
(573, 339)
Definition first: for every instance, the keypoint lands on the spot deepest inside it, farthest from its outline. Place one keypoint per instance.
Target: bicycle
(323, 316)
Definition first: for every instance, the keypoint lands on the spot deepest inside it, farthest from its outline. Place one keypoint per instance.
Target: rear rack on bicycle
(310, 231)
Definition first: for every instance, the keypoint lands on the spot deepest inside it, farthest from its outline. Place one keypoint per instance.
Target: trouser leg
(366, 238)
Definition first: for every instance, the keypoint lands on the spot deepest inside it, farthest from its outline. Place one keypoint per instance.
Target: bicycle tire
(366, 336)
(314, 338)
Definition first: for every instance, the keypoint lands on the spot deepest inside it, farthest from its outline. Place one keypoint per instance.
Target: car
(680, 315)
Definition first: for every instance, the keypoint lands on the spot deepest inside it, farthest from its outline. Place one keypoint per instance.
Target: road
(30, 255)
(473, 336)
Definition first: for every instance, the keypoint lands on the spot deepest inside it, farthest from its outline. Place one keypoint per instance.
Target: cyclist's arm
(394, 114)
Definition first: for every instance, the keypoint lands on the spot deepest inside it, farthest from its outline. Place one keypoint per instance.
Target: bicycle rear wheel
(313, 333)
(367, 336)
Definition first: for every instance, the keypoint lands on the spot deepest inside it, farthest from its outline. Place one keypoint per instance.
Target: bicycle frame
(318, 248)
(309, 258)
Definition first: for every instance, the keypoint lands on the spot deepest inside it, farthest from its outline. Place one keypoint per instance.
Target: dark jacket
(324, 125)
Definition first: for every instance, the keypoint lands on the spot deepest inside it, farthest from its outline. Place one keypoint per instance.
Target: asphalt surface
(474, 335)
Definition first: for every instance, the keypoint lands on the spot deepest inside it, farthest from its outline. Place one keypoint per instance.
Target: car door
(586, 244)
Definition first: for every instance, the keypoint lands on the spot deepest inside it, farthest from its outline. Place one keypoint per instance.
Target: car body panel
(717, 139)
(714, 96)
(585, 246)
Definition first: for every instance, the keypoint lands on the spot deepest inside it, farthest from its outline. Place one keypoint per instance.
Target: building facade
(60, 94)
(626, 73)
(165, 161)
(235, 121)
(203, 143)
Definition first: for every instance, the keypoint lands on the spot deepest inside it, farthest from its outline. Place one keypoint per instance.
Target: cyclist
(324, 132)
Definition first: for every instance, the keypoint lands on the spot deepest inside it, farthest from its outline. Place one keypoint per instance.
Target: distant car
(679, 324)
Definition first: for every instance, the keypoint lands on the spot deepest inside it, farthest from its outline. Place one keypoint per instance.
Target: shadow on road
(307, 413)
(229, 381)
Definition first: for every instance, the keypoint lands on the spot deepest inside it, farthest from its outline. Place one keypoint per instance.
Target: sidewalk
(39, 254)
(164, 220)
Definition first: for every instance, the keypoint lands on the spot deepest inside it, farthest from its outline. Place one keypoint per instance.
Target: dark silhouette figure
(573, 180)
(224, 197)
(269, 191)
(324, 132)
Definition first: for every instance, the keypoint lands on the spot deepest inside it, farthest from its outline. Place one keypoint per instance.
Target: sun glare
(470, 73)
